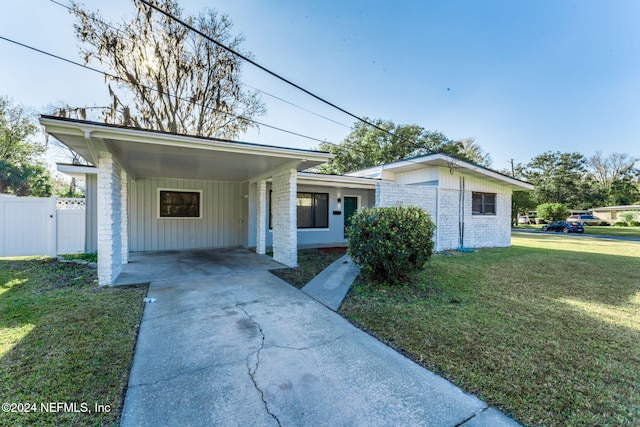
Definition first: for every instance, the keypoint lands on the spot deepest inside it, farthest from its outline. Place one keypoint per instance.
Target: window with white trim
(179, 204)
(312, 210)
(483, 203)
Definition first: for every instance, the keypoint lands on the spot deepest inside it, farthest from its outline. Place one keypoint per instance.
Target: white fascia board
(371, 173)
(457, 163)
(325, 179)
(76, 169)
(156, 138)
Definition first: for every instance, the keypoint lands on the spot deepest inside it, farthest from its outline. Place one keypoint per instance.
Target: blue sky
(522, 77)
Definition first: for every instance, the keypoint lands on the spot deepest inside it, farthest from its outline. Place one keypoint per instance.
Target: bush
(620, 224)
(552, 211)
(389, 243)
(634, 224)
(628, 216)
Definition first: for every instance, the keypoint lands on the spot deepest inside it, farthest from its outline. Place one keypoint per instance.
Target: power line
(95, 19)
(190, 101)
(241, 56)
(268, 71)
(160, 92)
(298, 106)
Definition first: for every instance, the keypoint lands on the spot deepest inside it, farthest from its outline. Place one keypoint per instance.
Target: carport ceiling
(147, 161)
(146, 154)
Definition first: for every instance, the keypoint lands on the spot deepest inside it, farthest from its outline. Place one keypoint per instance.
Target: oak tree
(175, 79)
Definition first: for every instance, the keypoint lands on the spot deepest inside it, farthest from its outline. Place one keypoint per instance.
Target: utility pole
(513, 172)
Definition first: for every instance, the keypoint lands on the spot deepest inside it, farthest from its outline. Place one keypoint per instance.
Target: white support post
(285, 224)
(109, 219)
(261, 220)
(124, 211)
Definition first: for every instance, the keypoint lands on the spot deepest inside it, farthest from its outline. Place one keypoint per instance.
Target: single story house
(610, 213)
(157, 191)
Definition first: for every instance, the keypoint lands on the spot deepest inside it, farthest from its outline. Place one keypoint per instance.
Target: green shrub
(634, 224)
(620, 224)
(390, 243)
(552, 211)
(628, 216)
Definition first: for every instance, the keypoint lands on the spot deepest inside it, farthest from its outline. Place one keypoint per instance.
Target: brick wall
(480, 231)
(284, 211)
(261, 220)
(416, 195)
(109, 219)
(444, 207)
(124, 211)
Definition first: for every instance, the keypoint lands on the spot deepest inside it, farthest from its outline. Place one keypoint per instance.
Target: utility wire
(268, 71)
(224, 112)
(187, 100)
(160, 92)
(298, 106)
(259, 90)
(93, 18)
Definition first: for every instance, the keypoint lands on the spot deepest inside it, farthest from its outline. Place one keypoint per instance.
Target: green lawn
(547, 330)
(310, 263)
(605, 231)
(63, 339)
(613, 231)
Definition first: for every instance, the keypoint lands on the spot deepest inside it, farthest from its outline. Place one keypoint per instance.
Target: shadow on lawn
(64, 340)
(550, 336)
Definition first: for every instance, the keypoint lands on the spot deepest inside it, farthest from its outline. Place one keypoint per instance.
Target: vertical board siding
(91, 206)
(220, 225)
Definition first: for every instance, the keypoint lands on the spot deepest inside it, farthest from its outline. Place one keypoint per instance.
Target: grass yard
(547, 331)
(310, 263)
(604, 231)
(613, 231)
(63, 339)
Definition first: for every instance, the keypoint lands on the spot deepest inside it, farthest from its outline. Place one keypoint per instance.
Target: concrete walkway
(332, 284)
(245, 348)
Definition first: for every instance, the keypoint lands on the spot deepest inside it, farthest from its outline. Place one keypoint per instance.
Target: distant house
(156, 191)
(610, 213)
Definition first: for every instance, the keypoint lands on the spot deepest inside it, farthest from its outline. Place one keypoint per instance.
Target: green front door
(350, 207)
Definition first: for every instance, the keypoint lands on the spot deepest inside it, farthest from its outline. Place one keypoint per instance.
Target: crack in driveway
(252, 372)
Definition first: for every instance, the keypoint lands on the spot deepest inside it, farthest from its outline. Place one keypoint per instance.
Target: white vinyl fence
(41, 226)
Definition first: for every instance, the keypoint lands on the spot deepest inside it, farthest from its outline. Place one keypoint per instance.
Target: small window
(180, 204)
(483, 203)
(312, 210)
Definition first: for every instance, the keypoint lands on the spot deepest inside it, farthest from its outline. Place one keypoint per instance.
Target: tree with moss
(177, 80)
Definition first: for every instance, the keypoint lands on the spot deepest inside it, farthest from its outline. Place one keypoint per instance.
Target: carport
(194, 264)
(220, 186)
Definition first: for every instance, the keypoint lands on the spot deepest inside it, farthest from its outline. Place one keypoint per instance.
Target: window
(483, 203)
(180, 204)
(312, 210)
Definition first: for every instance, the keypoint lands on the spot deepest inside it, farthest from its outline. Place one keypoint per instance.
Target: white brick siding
(416, 195)
(109, 219)
(448, 220)
(444, 207)
(284, 217)
(261, 220)
(124, 209)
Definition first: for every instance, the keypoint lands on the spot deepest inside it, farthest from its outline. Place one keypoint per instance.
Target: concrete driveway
(242, 347)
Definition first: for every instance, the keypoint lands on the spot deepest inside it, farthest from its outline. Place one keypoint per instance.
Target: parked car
(584, 219)
(526, 219)
(565, 226)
